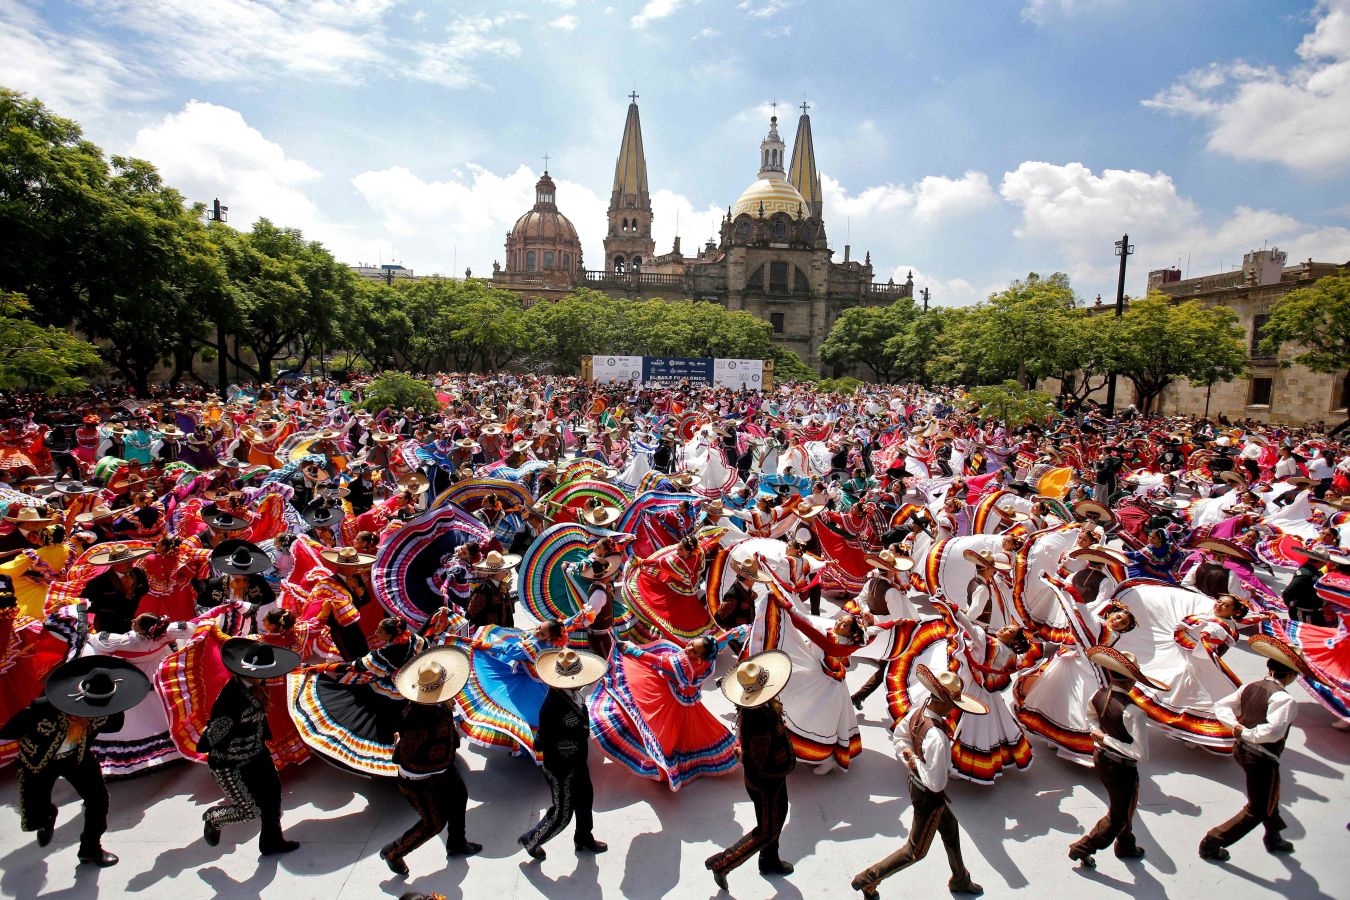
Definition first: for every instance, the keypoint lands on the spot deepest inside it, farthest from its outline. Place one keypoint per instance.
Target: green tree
(788, 366)
(1158, 341)
(1318, 319)
(1011, 403)
(861, 335)
(914, 347)
(399, 391)
(35, 357)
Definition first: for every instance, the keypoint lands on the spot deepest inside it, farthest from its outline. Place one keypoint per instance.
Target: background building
(1275, 389)
(771, 259)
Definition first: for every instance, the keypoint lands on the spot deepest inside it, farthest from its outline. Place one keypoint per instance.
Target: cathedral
(771, 259)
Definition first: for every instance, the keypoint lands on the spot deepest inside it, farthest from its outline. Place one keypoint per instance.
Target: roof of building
(544, 223)
(802, 170)
(630, 170)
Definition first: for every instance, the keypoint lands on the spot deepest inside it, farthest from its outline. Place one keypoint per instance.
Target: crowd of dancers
(545, 564)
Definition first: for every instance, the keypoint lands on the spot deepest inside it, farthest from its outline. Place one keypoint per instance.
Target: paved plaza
(1014, 834)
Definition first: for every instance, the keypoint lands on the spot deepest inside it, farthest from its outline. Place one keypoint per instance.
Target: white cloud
(877, 200)
(671, 210)
(463, 221)
(763, 9)
(565, 23)
(1039, 12)
(209, 151)
(1081, 214)
(341, 41)
(1299, 117)
(939, 197)
(781, 31)
(653, 11)
(705, 34)
(76, 77)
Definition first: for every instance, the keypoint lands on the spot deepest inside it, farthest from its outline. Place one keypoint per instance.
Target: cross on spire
(805, 106)
(633, 96)
(774, 104)
(545, 163)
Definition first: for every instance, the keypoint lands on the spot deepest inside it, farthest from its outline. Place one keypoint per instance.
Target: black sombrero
(239, 557)
(256, 659)
(94, 686)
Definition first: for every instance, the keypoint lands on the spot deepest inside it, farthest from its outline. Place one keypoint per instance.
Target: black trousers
(252, 791)
(1263, 799)
(600, 642)
(770, 797)
(36, 810)
(1121, 781)
(350, 639)
(871, 684)
(441, 803)
(933, 815)
(571, 795)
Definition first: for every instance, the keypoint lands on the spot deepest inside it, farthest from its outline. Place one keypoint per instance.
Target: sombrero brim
(62, 689)
(234, 523)
(1113, 660)
(452, 659)
(133, 554)
(232, 652)
(964, 702)
(1093, 554)
(360, 562)
(776, 663)
(903, 564)
(222, 558)
(1223, 548)
(1273, 648)
(593, 668)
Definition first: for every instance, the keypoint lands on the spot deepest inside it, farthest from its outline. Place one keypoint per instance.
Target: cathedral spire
(630, 171)
(802, 171)
(771, 152)
(628, 242)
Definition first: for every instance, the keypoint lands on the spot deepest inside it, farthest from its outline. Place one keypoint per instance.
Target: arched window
(618, 264)
(529, 260)
(567, 262)
(637, 263)
(625, 225)
(548, 259)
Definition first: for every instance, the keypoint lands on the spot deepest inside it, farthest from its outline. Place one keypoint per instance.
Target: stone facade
(1275, 390)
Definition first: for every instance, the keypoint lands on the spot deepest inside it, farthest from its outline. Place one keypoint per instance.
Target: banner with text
(658, 370)
(739, 373)
(609, 369)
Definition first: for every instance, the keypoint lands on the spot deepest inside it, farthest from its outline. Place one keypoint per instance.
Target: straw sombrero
(1284, 653)
(888, 560)
(347, 558)
(1233, 479)
(434, 676)
(751, 569)
(1169, 503)
(111, 554)
(758, 679)
(28, 517)
(600, 515)
(1122, 664)
(496, 564)
(569, 669)
(1224, 548)
(950, 686)
(415, 483)
(987, 559)
(1099, 554)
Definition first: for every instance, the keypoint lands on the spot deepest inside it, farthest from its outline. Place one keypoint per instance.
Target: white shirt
(1135, 723)
(935, 759)
(1280, 710)
(1319, 468)
(1286, 468)
(596, 601)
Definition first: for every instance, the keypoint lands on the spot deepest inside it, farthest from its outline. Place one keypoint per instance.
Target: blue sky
(970, 141)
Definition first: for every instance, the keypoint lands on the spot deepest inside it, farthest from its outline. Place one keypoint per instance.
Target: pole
(1123, 250)
(222, 367)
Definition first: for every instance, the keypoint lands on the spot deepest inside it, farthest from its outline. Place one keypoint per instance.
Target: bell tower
(628, 242)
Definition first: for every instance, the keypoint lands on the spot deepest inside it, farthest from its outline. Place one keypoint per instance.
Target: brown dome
(543, 240)
(547, 225)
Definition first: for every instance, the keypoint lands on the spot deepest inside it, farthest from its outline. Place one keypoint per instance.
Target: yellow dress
(31, 593)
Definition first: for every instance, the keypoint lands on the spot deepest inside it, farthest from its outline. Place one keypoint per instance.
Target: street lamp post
(1123, 249)
(218, 213)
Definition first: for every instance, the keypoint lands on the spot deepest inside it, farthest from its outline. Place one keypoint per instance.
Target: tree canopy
(1317, 318)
